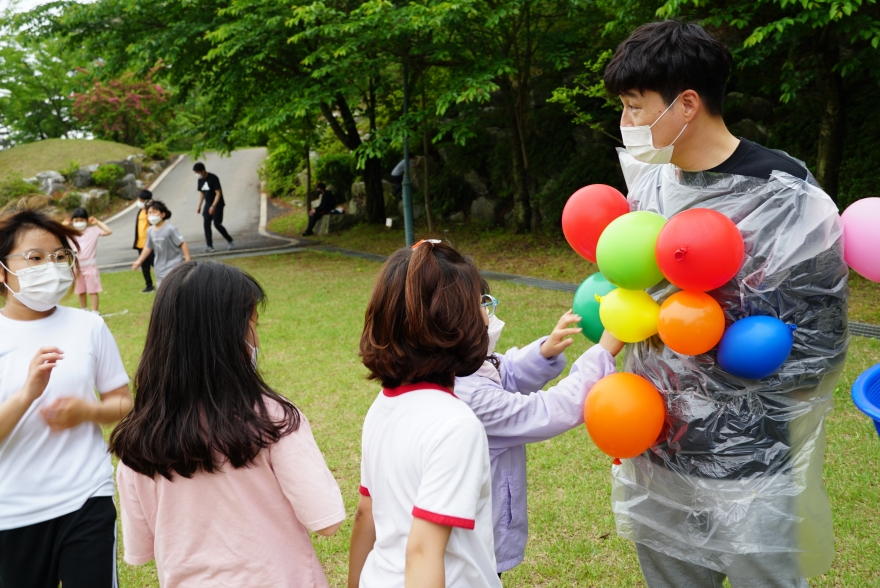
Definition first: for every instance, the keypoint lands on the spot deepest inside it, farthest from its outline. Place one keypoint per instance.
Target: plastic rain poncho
(735, 481)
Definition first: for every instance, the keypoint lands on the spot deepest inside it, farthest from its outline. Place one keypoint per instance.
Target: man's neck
(710, 145)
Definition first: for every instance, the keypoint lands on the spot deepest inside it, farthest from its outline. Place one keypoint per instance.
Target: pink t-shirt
(238, 527)
(88, 244)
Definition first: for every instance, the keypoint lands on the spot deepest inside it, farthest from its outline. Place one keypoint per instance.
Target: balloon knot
(617, 461)
(792, 326)
(679, 254)
(598, 298)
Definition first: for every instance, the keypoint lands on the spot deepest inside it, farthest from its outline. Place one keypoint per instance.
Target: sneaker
(307, 234)
(230, 245)
(208, 250)
(95, 312)
(147, 290)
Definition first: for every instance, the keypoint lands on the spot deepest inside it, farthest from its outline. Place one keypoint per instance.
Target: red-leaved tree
(125, 109)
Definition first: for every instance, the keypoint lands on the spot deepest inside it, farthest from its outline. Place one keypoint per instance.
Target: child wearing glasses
(57, 518)
(506, 395)
(88, 279)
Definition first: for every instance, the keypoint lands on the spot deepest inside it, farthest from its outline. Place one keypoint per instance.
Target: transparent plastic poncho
(735, 481)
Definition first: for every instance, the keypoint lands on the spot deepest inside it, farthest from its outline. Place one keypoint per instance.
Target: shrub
(280, 170)
(71, 201)
(70, 171)
(338, 170)
(13, 187)
(157, 151)
(108, 174)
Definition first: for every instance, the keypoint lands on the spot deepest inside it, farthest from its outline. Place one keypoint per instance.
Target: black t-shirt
(756, 161)
(208, 187)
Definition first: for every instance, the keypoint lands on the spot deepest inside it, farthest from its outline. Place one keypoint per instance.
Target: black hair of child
(79, 213)
(145, 195)
(160, 206)
(669, 57)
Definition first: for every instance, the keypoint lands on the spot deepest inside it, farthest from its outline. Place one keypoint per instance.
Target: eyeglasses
(489, 303)
(38, 257)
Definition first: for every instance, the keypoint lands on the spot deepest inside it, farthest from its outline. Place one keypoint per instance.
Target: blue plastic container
(866, 394)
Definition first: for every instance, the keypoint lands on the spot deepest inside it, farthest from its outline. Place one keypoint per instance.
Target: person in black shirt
(326, 206)
(212, 194)
(725, 490)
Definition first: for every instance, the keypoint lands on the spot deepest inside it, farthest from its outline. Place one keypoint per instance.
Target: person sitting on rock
(326, 206)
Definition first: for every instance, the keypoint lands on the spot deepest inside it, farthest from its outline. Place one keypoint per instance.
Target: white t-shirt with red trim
(425, 455)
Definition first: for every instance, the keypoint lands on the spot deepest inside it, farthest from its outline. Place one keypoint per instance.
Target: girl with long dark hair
(220, 478)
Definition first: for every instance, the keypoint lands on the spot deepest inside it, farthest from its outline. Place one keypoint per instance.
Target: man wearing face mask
(733, 487)
(506, 395)
(140, 237)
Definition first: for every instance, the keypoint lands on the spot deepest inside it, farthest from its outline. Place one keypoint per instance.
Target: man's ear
(691, 105)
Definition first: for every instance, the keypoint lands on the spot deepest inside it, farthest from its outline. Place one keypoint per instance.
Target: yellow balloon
(629, 315)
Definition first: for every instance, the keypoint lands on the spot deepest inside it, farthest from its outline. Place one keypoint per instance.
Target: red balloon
(699, 249)
(587, 213)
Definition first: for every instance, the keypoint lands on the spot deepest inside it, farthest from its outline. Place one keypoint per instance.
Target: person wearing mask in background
(211, 194)
(57, 518)
(163, 240)
(327, 206)
(141, 225)
(88, 279)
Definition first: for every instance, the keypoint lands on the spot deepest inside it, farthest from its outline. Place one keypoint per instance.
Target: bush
(70, 171)
(280, 170)
(14, 187)
(157, 151)
(338, 170)
(107, 175)
(71, 201)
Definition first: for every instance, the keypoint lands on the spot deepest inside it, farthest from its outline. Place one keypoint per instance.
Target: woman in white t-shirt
(424, 517)
(57, 518)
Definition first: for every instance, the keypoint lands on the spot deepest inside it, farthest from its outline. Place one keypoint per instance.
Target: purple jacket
(514, 412)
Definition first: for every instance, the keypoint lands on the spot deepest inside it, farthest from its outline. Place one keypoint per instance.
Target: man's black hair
(321, 186)
(79, 213)
(199, 167)
(669, 57)
(145, 195)
(160, 206)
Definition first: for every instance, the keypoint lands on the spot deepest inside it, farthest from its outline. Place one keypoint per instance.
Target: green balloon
(625, 252)
(586, 305)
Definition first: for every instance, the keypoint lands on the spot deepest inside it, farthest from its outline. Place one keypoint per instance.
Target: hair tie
(426, 241)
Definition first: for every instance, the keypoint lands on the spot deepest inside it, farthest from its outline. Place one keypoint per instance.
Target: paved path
(241, 191)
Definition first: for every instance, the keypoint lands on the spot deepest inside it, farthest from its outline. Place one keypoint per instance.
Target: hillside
(56, 154)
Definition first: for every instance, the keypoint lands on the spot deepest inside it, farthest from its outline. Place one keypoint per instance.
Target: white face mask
(495, 327)
(254, 352)
(41, 288)
(154, 219)
(80, 225)
(141, 204)
(640, 143)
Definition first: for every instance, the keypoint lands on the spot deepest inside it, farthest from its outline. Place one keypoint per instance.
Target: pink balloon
(861, 237)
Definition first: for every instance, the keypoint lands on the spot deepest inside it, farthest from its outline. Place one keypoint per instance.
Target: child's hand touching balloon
(556, 343)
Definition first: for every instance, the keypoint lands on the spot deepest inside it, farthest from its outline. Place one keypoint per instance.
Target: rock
(418, 209)
(127, 187)
(95, 200)
(34, 181)
(739, 106)
(157, 166)
(352, 206)
(332, 223)
(50, 182)
(94, 167)
(139, 184)
(82, 178)
(476, 183)
(484, 210)
(130, 166)
(359, 190)
(148, 177)
(457, 217)
(748, 129)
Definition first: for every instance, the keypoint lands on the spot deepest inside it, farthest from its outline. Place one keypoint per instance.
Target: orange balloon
(690, 322)
(624, 414)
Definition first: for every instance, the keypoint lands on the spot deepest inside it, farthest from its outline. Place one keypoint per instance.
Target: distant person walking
(212, 195)
(326, 206)
(140, 238)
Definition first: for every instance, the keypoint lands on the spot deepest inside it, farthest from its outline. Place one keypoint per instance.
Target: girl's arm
(66, 413)
(107, 230)
(145, 253)
(531, 368)
(363, 537)
(39, 371)
(425, 549)
(185, 248)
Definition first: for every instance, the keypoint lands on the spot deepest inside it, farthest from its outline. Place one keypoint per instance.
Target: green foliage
(13, 187)
(70, 171)
(71, 201)
(108, 174)
(157, 151)
(281, 168)
(337, 170)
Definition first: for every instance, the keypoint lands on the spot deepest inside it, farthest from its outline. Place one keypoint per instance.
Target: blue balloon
(755, 347)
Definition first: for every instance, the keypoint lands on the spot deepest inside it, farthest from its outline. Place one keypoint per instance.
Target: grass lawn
(541, 255)
(309, 340)
(55, 154)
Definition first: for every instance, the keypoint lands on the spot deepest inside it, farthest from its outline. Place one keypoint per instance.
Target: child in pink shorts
(88, 279)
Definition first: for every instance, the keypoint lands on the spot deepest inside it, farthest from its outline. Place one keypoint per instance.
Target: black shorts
(77, 549)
